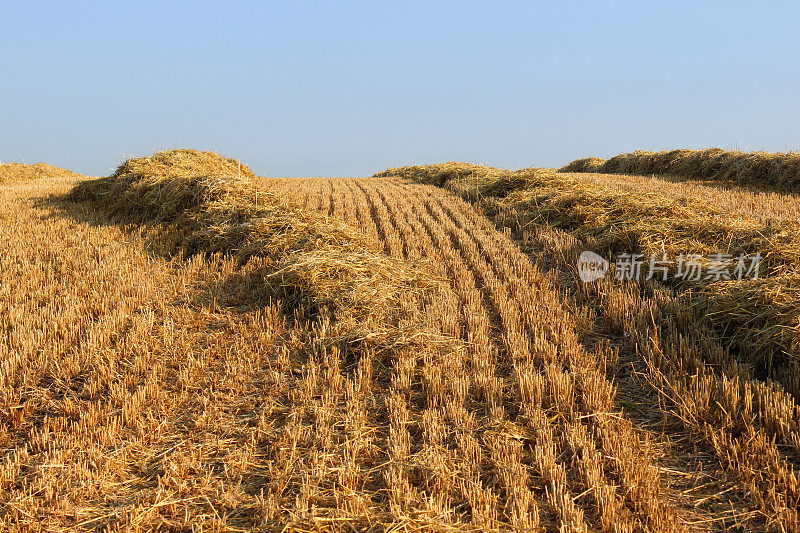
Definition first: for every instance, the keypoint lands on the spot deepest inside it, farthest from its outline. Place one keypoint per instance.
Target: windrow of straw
(747, 424)
(757, 318)
(616, 220)
(16, 172)
(779, 170)
(586, 164)
(442, 173)
(200, 202)
(762, 318)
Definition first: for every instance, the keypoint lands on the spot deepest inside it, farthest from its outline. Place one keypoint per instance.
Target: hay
(614, 220)
(183, 163)
(442, 173)
(779, 170)
(17, 172)
(203, 203)
(167, 185)
(587, 164)
(757, 318)
(760, 318)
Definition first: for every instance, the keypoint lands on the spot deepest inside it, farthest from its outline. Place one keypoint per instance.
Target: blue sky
(350, 88)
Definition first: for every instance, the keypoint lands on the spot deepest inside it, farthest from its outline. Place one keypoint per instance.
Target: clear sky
(350, 88)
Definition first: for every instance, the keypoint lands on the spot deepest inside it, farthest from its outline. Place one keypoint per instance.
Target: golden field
(187, 346)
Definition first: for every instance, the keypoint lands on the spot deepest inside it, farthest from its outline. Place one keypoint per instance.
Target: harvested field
(684, 358)
(17, 172)
(619, 214)
(191, 346)
(761, 169)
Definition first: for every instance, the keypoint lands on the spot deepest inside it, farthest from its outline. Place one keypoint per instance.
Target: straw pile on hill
(16, 172)
(200, 202)
(779, 170)
(442, 173)
(586, 164)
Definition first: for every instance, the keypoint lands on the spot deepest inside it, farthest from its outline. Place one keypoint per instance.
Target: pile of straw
(203, 203)
(586, 164)
(183, 163)
(760, 318)
(167, 186)
(442, 173)
(16, 172)
(779, 170)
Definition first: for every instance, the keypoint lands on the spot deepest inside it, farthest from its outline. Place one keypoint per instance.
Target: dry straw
(206, 203)
(17, 172)
(779, 170)
(586, 164)
(757, 319)
(747, 425)
(145, 393)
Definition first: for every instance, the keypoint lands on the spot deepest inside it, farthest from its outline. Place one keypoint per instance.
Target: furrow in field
(363, 212)
(386, 232)
(500, 279)
(521, 365)
(517, 350)
(452, 463)
(409, 244)
(448, 459)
